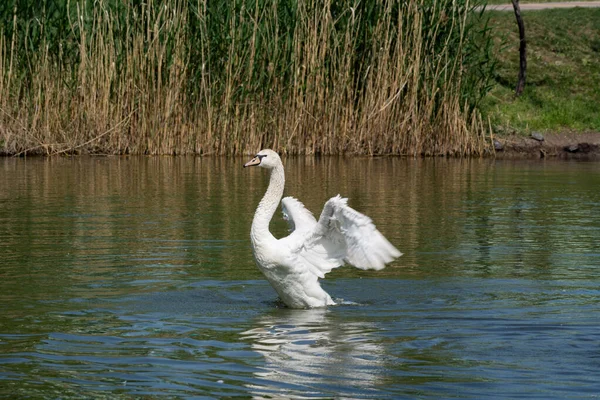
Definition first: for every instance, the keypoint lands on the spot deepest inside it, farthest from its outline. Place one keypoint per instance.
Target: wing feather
(296, 215)
(342, 235)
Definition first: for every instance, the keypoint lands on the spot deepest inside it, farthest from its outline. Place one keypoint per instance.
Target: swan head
(265, 158)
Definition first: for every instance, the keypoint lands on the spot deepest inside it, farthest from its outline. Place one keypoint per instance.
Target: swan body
(294, 264)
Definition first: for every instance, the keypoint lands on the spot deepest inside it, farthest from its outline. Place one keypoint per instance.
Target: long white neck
(267, 206)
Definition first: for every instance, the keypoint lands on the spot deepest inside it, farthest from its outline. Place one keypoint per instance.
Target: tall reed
(230, 77)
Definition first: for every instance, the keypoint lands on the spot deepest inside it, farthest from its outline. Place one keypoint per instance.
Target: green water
(133, 277)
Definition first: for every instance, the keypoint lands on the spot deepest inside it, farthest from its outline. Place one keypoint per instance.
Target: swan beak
(253, 162)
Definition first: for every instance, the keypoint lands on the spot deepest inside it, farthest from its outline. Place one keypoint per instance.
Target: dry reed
(174, 77)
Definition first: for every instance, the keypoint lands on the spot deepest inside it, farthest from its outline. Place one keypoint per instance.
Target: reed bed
(231, 77)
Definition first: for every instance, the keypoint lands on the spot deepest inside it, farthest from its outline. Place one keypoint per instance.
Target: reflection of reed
(306, 351)
(410, 200)
(129, 219)
(445, 214)
(157, 219)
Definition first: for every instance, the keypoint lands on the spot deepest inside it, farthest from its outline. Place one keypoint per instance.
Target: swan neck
(268, 205)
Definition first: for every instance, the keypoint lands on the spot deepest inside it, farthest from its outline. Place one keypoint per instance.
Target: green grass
(562, 92)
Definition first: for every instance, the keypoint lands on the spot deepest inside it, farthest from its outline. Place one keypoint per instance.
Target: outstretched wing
(341, 235)
(366, 247)
(296, 215)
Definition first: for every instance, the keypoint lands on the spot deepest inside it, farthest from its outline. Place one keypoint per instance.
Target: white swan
(294, 264)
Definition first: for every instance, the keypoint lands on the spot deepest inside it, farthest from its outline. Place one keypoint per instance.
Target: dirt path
(544, 6)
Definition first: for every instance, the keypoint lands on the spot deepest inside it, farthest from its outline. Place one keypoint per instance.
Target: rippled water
(133, 277)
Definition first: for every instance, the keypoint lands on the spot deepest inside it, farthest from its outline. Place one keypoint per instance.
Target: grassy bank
(230, 77)
(563, 76)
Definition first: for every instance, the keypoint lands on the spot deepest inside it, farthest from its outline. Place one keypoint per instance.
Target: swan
(294, 264)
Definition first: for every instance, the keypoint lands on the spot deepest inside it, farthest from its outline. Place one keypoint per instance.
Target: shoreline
(543, 6)
(567, 146)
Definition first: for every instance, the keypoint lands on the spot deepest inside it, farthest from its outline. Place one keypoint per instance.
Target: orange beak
(255, 161)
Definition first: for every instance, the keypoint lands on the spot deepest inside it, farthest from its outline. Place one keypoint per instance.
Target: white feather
(296, 215)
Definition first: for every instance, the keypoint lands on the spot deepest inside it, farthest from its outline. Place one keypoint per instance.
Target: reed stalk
(231, 77)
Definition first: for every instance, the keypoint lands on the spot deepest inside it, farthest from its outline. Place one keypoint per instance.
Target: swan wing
(296, 215)
(341, 235)
(366, 247)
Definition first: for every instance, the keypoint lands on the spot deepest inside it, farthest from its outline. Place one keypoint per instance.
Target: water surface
(133, 277)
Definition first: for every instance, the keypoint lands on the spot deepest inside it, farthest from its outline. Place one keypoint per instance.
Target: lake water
(133, 277)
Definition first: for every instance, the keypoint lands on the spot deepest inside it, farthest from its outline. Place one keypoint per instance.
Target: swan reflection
(314, 352)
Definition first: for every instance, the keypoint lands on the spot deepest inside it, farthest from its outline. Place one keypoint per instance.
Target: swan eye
(261, 156)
